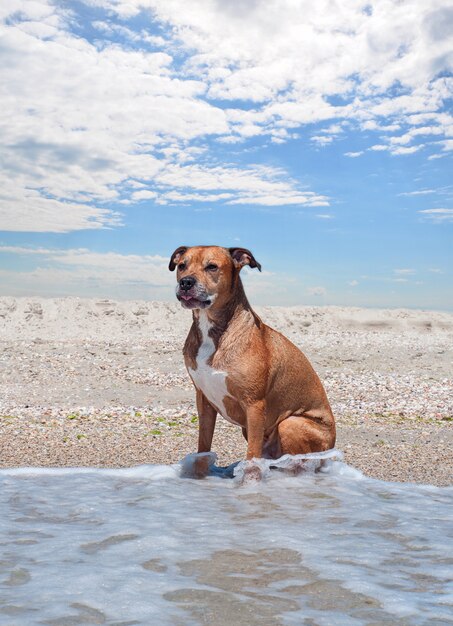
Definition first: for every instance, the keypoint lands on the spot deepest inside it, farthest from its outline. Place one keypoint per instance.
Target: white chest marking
(212, 382)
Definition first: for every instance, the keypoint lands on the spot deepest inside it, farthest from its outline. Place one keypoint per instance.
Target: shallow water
(145, 546)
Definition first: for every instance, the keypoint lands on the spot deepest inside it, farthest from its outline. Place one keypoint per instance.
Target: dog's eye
(211, 267)
(182, 266)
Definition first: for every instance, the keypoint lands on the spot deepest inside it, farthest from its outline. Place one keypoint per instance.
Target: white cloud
(107, 117)
(27, 210)
(143, 194)
(404, 271)
(262, 185)
(354, 155)
(133, 267)
(353, 283)
(322, 140)
(83, 129)
(84, 272)
(374, 125)
(420, 192)
(129, 105)
(406, 150)
(438, 215)
(436, 156)
(280, 200)
(303, 53)
(447, 145)
(178, 196)
(415, 132)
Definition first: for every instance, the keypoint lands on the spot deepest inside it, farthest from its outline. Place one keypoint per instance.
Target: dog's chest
(211, 381)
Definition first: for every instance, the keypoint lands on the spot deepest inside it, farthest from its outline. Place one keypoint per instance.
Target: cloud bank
(108, 103)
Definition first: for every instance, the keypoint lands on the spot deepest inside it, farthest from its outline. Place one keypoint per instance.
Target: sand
(102, 383)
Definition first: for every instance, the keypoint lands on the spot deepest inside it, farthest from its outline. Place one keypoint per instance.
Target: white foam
(145, 546)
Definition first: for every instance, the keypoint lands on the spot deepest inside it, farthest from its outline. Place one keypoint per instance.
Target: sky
(316, 134)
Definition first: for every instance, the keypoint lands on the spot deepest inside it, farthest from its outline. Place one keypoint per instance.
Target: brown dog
(246, 371)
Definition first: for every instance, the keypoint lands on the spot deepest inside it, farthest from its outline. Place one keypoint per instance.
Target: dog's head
(207, 274)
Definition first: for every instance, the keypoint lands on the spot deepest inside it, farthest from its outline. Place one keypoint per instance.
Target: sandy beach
(102, 383)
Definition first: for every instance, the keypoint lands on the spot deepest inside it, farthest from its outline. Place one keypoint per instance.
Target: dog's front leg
(207, 415)
(256, 419)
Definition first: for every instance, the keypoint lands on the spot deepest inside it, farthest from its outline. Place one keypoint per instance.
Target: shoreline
(391, 449)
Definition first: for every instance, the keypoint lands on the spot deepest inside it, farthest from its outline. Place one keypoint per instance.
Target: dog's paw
(201, 467)
(250, 471)
(297, 467)
(197, 465)
(251, 474)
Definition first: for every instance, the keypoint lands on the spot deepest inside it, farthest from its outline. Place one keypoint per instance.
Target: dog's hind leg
(300, 435)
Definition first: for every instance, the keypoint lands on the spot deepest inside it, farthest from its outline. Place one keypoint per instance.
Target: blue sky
(318, 135)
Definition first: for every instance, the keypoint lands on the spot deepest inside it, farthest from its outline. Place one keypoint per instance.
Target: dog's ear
(242, 256)
(174, 259)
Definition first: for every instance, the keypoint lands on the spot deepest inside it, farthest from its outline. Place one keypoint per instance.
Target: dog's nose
(187, 283)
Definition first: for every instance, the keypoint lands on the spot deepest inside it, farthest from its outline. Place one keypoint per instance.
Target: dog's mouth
(189, 301)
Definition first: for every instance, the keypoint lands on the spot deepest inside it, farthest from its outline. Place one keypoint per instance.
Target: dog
(241, 368)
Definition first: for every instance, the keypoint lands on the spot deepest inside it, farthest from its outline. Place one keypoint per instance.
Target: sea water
(148, 546)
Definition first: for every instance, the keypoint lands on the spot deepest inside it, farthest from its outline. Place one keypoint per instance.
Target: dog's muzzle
(191, 294)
